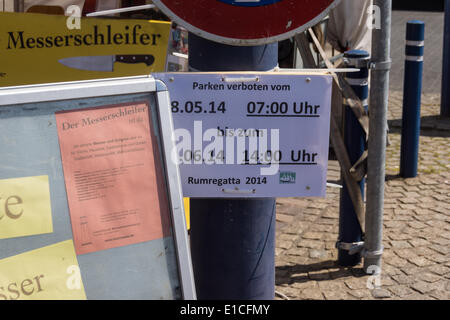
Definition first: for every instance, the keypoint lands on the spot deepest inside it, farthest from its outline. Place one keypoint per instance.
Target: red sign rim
(237, 25)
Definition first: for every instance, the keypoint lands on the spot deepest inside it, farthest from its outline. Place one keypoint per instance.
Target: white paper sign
(250, 135)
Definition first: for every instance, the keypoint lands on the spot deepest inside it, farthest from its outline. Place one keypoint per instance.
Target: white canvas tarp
(348, 26)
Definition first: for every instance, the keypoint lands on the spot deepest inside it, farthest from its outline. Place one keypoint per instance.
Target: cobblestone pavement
(416, 235)
(434, 25)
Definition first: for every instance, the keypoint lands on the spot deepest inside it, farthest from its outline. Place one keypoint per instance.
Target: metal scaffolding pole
(379, 92)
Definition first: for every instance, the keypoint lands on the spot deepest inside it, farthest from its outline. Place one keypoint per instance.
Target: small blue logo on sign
(250, 3)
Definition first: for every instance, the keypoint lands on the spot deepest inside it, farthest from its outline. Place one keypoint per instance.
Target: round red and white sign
(246, 22)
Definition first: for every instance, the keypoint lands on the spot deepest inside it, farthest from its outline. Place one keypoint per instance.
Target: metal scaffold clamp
(381, 65)
(351, 247)
(359, 62)
(372, 254)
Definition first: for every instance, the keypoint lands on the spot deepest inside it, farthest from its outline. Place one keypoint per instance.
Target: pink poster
(113, 175)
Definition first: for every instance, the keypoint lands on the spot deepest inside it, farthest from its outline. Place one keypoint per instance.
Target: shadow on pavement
(390, 177)
(431, 126)
(310, 272)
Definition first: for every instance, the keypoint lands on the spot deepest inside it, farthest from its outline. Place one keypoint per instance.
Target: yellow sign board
(49, 273)
(39, 48)
(25, 207)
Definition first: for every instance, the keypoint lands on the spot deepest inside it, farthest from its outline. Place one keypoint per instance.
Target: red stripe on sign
(239, 22)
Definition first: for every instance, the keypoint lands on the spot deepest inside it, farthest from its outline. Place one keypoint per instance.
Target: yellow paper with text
(41, 48)
(48, 273)
(25, 207)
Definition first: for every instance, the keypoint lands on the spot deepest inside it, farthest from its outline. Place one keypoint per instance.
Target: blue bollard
(412, 97)
(350, 232)
(232, 240)
(445, 91)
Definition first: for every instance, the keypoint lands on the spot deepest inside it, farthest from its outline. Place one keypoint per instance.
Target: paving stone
(356, 283)
(298, 203)
(439, 198)
(401, 291)
(288, 237)
(331, 286)
(423, 211)
(309, 218)
(394, 224)
(391, 270)
(417, 225)
(401, 244)
(292, 229)
(420, 261)
(411, 269)
(439, 270)
(318, 254)
(424, 251)
(330, 236)
(440, 249)
(318, 205)
(284, 218)
(309, 284)
(412, 182)
(312, 235)
(417, 296)
(387, 281)
(434, 223)
(283, 244)
(312, 212)
(311, 244)
(360, 293)
(399, 235)
(331, 245)
(418, 242)
(404, 218)
(335, 295)
(440, 295)
(439, 285)
(408, 200)
(331, 214)
(422, 287)
(289, 291)
(297, 260)
(281, 264)
(403, 279)
(429, 277)
(311, 294)
(328, 221)
(381, 293)
(409, 207)
(397, 262)
(405, 253)
(441, 241)
(278, 251)
(297, 252)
